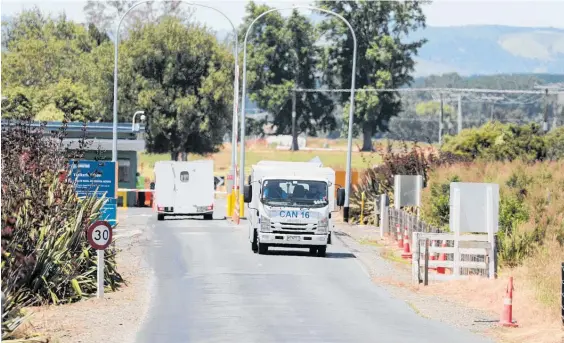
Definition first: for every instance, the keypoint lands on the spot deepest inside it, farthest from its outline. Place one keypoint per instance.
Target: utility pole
(545, 121)
(459, 113)
(294, 138)
(441, 116)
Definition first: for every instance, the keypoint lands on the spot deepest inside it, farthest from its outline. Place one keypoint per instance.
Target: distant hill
(478, 49)
(487, 50)
(472, 50)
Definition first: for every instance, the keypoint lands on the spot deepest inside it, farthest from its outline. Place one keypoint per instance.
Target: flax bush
(45, 256)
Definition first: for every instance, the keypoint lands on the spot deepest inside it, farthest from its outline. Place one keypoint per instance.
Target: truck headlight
(265, 224)
(323, 225)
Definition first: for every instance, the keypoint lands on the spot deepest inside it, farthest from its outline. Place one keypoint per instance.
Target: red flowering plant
(45, 254)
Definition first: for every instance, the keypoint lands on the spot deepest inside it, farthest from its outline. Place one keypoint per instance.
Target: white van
(298, 213)
(184, 188)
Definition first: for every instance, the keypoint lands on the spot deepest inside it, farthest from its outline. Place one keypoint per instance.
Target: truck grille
(293, 227)
(293, 232)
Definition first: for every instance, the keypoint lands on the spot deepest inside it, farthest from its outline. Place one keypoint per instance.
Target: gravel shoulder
(115, 318)
(395, 276)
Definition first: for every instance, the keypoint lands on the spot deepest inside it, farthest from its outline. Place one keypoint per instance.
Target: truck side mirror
(340, 197)
(248, 193)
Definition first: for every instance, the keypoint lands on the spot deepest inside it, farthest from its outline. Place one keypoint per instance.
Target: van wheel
(262, 249)
(313, 250)
(322, 251)
(254, 245)
(208, 216)
(160, 216)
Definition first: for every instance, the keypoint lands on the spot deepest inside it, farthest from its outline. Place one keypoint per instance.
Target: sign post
(99, 236)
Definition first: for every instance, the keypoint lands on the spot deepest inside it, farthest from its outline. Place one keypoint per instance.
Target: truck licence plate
(293, 238)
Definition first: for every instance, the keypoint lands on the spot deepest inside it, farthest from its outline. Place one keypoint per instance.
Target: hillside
(471, 50)
(483, 50)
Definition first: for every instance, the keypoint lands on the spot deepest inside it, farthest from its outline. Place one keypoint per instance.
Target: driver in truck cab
(274, 191)
(316, 192)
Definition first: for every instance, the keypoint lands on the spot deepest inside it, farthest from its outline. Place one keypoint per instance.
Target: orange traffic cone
(400, 239)
(442, 257)
(507, 313)
(406, 251)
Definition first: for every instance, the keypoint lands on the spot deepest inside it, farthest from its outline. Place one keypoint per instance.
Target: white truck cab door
(252, 210)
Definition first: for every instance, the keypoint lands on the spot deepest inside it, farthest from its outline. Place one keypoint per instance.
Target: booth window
(124, 171)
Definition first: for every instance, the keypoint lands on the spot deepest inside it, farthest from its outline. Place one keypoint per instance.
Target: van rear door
(194, 187)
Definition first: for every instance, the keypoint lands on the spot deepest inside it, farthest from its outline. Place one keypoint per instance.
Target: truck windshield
(295, 193)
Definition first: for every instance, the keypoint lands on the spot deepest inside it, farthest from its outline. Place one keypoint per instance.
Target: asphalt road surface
(210, 287)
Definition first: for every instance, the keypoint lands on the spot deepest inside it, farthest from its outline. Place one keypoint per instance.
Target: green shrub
(512, 212)
(439, 212)
(499, 142)
(555, 143)
(513, 248)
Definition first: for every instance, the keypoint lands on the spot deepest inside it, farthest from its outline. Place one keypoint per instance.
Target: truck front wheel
(160, 216)
(322, 251)
(254, 245)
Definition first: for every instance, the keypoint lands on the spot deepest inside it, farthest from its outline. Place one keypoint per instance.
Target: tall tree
(384, 60)
(283, 55)
(43, 60)
(105, 14)
(184, 84)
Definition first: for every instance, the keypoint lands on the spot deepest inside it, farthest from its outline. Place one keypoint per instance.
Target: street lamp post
(142, 113)
(351, 110)
(235, 82)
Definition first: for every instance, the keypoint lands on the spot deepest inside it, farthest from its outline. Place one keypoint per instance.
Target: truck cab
(290, 205)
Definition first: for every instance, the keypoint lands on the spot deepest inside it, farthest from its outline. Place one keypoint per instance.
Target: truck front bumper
(288, 240)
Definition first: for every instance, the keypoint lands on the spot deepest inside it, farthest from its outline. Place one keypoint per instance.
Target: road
(210, 287)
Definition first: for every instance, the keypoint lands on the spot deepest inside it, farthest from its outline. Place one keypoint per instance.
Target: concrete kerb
(369, 256)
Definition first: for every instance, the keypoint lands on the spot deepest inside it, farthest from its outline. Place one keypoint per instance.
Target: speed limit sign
(99, 235)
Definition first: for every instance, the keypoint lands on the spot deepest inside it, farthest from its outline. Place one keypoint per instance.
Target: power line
(439, 90)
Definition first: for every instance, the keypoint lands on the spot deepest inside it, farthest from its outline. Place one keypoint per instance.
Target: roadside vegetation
(46, 258)
(528, 167)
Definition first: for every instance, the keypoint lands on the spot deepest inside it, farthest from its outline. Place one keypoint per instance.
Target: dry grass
(222, 160)
(260, 150)
(537, 280)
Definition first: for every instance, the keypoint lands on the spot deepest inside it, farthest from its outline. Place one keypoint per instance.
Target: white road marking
(362, 267)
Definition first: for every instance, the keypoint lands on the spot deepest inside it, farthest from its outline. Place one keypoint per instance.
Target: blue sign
(97, 178)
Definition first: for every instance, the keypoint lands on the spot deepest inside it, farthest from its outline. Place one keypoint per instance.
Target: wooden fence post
(415, 263)
(426, 279)
(384, 222)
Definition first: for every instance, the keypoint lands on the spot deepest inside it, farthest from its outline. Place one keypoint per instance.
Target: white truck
(184, 188)
(290, 205)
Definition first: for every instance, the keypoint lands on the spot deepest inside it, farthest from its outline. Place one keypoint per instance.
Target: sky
(537, 13)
